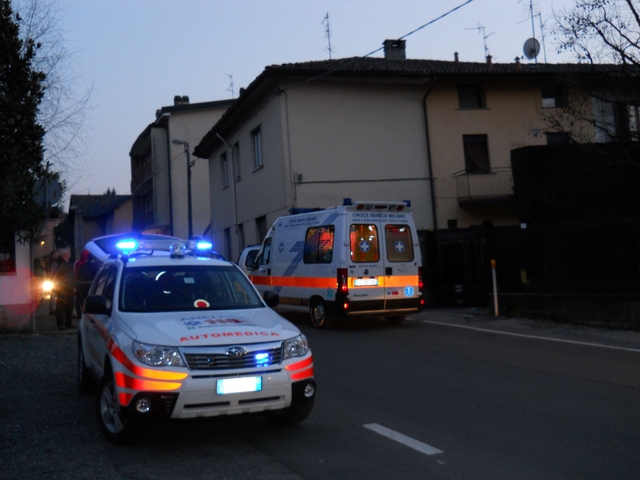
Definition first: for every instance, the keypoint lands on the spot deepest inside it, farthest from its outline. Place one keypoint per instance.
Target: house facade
(163, 170)
(436, 133)
(93, 216)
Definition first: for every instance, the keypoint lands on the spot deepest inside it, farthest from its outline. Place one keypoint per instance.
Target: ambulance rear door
(383, 263)
(366, 263)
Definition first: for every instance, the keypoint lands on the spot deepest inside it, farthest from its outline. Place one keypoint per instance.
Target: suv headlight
(157, 355)
(295, 347)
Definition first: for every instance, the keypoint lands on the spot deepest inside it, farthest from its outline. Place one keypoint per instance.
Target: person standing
(54, 263)
(65, 285)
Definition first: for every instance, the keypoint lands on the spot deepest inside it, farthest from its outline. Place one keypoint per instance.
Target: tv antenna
(230, 89)
(531, 47)
(327, 30)
(481, 28)
(544, 48)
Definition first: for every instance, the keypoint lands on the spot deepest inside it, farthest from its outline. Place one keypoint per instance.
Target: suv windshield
(183, 288)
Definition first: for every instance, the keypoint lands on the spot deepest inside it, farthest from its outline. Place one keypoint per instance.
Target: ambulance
(359, 258)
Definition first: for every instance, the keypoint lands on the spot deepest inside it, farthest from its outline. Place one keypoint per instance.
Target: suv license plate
(239, 385)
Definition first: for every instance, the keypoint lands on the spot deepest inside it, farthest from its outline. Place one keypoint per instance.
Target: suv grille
(222, 361)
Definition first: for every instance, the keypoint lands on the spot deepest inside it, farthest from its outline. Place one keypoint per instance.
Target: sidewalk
(46, 323)
(473, 318)
(484, 319)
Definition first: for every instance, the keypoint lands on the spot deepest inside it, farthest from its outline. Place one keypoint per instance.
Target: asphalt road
(447, 395)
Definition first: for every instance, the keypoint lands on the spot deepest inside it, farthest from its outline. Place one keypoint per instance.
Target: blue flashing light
(127, 245)
(407, 203)
(204, 245)
(262, 359)
(347, 201)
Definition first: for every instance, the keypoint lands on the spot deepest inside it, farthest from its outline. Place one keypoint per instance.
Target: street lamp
(189, 165)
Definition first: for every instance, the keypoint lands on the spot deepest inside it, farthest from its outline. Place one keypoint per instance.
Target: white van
(360, 258)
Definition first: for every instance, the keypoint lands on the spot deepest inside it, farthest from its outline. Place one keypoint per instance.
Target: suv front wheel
(116, 424)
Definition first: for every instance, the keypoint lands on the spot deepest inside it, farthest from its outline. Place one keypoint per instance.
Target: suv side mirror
(96, 304)
(271, 298)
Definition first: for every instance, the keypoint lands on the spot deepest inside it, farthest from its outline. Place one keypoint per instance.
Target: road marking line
(599, 345)
(408, 441)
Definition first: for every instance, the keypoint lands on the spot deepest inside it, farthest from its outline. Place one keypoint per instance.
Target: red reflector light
(360, 207)
(400, 207)
(381, 207)
(422, 301)
(343, 281)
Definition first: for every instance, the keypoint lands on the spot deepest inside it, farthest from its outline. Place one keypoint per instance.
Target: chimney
(241, 90)
(517, 63)
(489, 61)
(181, 100)
(394, 49)
(455, 57)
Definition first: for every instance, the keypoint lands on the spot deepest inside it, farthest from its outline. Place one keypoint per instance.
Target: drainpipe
(233, 181)
(429, 159)
(170, 181)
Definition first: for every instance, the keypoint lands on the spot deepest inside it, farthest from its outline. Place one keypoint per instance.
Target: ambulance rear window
(364, 243)
(399, 244)
(318, 245)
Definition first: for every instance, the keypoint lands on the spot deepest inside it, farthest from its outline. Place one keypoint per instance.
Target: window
(241, 235)
(551, 96)
(224, 167)
(261, 228)
(227, 242)
(256, 139)
(318, 245)
(476, 154)
(7, 253)
(236, 161)
(399, 243)
(364, 243)
(471, 96)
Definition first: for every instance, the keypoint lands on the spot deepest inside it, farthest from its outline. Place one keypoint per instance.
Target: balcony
(474, 188)
(140, 176)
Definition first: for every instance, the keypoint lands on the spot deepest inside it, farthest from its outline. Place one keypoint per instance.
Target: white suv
(175, 331)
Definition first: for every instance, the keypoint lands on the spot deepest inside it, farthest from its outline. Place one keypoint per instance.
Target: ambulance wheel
(115, 423)
(319, 317)
(396, 319)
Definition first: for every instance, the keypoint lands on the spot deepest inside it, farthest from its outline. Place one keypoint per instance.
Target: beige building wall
(123, 217)
(160, 166)
(16, 295)
(321, 144)
(190, 126)
(512, 119)
(358, 141)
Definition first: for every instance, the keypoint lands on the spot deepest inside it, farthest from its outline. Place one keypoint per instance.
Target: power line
(378, 49)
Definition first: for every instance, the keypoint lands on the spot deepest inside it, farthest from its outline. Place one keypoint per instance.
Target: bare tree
(604, 36)
(63, 109)
(600, 31)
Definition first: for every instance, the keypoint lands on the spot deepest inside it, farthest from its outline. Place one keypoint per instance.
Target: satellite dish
(531, 48)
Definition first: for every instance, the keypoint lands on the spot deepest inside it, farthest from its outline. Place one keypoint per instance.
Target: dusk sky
(138, 54)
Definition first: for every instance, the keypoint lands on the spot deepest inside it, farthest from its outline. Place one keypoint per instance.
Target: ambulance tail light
(343, 281)
(420, 282)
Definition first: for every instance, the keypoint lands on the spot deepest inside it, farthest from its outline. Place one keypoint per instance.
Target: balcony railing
(141, 175)
(484, 187)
